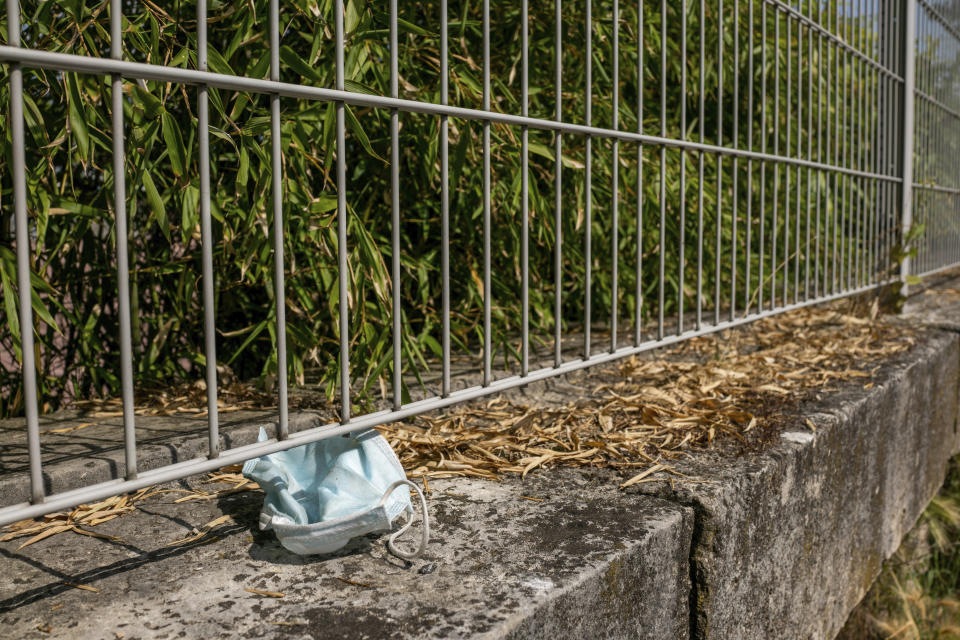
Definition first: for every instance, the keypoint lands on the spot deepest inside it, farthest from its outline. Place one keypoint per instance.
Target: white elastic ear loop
(425, 534)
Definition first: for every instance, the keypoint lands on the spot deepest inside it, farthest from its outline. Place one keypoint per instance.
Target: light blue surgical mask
(322, 494)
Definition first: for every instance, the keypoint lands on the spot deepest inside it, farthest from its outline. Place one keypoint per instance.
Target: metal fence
(936, 109)
(802, 176)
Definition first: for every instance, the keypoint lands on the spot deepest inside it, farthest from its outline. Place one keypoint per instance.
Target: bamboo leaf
(157, 208)
(78, 123)
(290, 58)
(361, 135)
(174, 141)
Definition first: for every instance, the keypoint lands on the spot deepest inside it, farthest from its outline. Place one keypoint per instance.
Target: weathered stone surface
(78, 450)
(584, 561)
(938, 307)
(789, 540)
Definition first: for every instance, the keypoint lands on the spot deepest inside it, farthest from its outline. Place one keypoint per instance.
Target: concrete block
(585, 561)
(789, 540)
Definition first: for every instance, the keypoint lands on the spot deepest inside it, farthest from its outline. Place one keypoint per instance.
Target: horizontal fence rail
(610, 179)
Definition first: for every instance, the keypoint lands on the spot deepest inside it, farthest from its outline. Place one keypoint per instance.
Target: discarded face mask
(322, 494)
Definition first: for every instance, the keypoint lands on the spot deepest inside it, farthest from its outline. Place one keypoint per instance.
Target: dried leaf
(269, 594)
(45, 534)
(643, 474)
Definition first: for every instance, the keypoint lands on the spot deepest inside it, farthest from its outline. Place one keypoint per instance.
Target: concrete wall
(787, 543)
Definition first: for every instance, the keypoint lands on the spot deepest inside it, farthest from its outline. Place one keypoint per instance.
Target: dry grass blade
(46, 533)
(643, 474)
(269, 594)
(202, 532)
(355, 583)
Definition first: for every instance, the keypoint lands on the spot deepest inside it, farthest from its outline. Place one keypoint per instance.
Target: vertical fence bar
(719, 229)
(880, 134)
(123, 268)
(863, 242)
(865, 150)
(856, 143)
(851, 110)
(700, 160)
(341, 218)
(763, 149)
(787, 170)
(834, 281)
(663, 164)
(819, 173)
(892, 162)
(206, 236)
(840, 160)
(870, 148)
(487, 292)
(844, 158)
(558, 205)
(875, 263)
(806, 262)
(827, 174)
(395, 210)
(909, 85)
(615, 196)
(928, 248)
(863, 85)
(876, 114)
(681, 257)
(29, 366)
(749, 234)
(869, 145)
(776, 152)
(890, 136)
(445, 208)
(861, 137)
(921, 137)
(925, 202)
(851, 209)
(873, 115)
(588, 187)
(525, 198)
(735, 182)
(799, 154)
(638, 303)
(277, 183)
(837, 158)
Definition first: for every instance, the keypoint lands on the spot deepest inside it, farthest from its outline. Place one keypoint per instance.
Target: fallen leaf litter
(649, 411)
(643, 414)
(86, 515)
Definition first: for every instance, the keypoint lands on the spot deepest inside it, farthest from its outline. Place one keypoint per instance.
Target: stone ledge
(587, 561)
(788, 541)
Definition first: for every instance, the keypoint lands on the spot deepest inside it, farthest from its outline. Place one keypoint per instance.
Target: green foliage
(70, 185)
